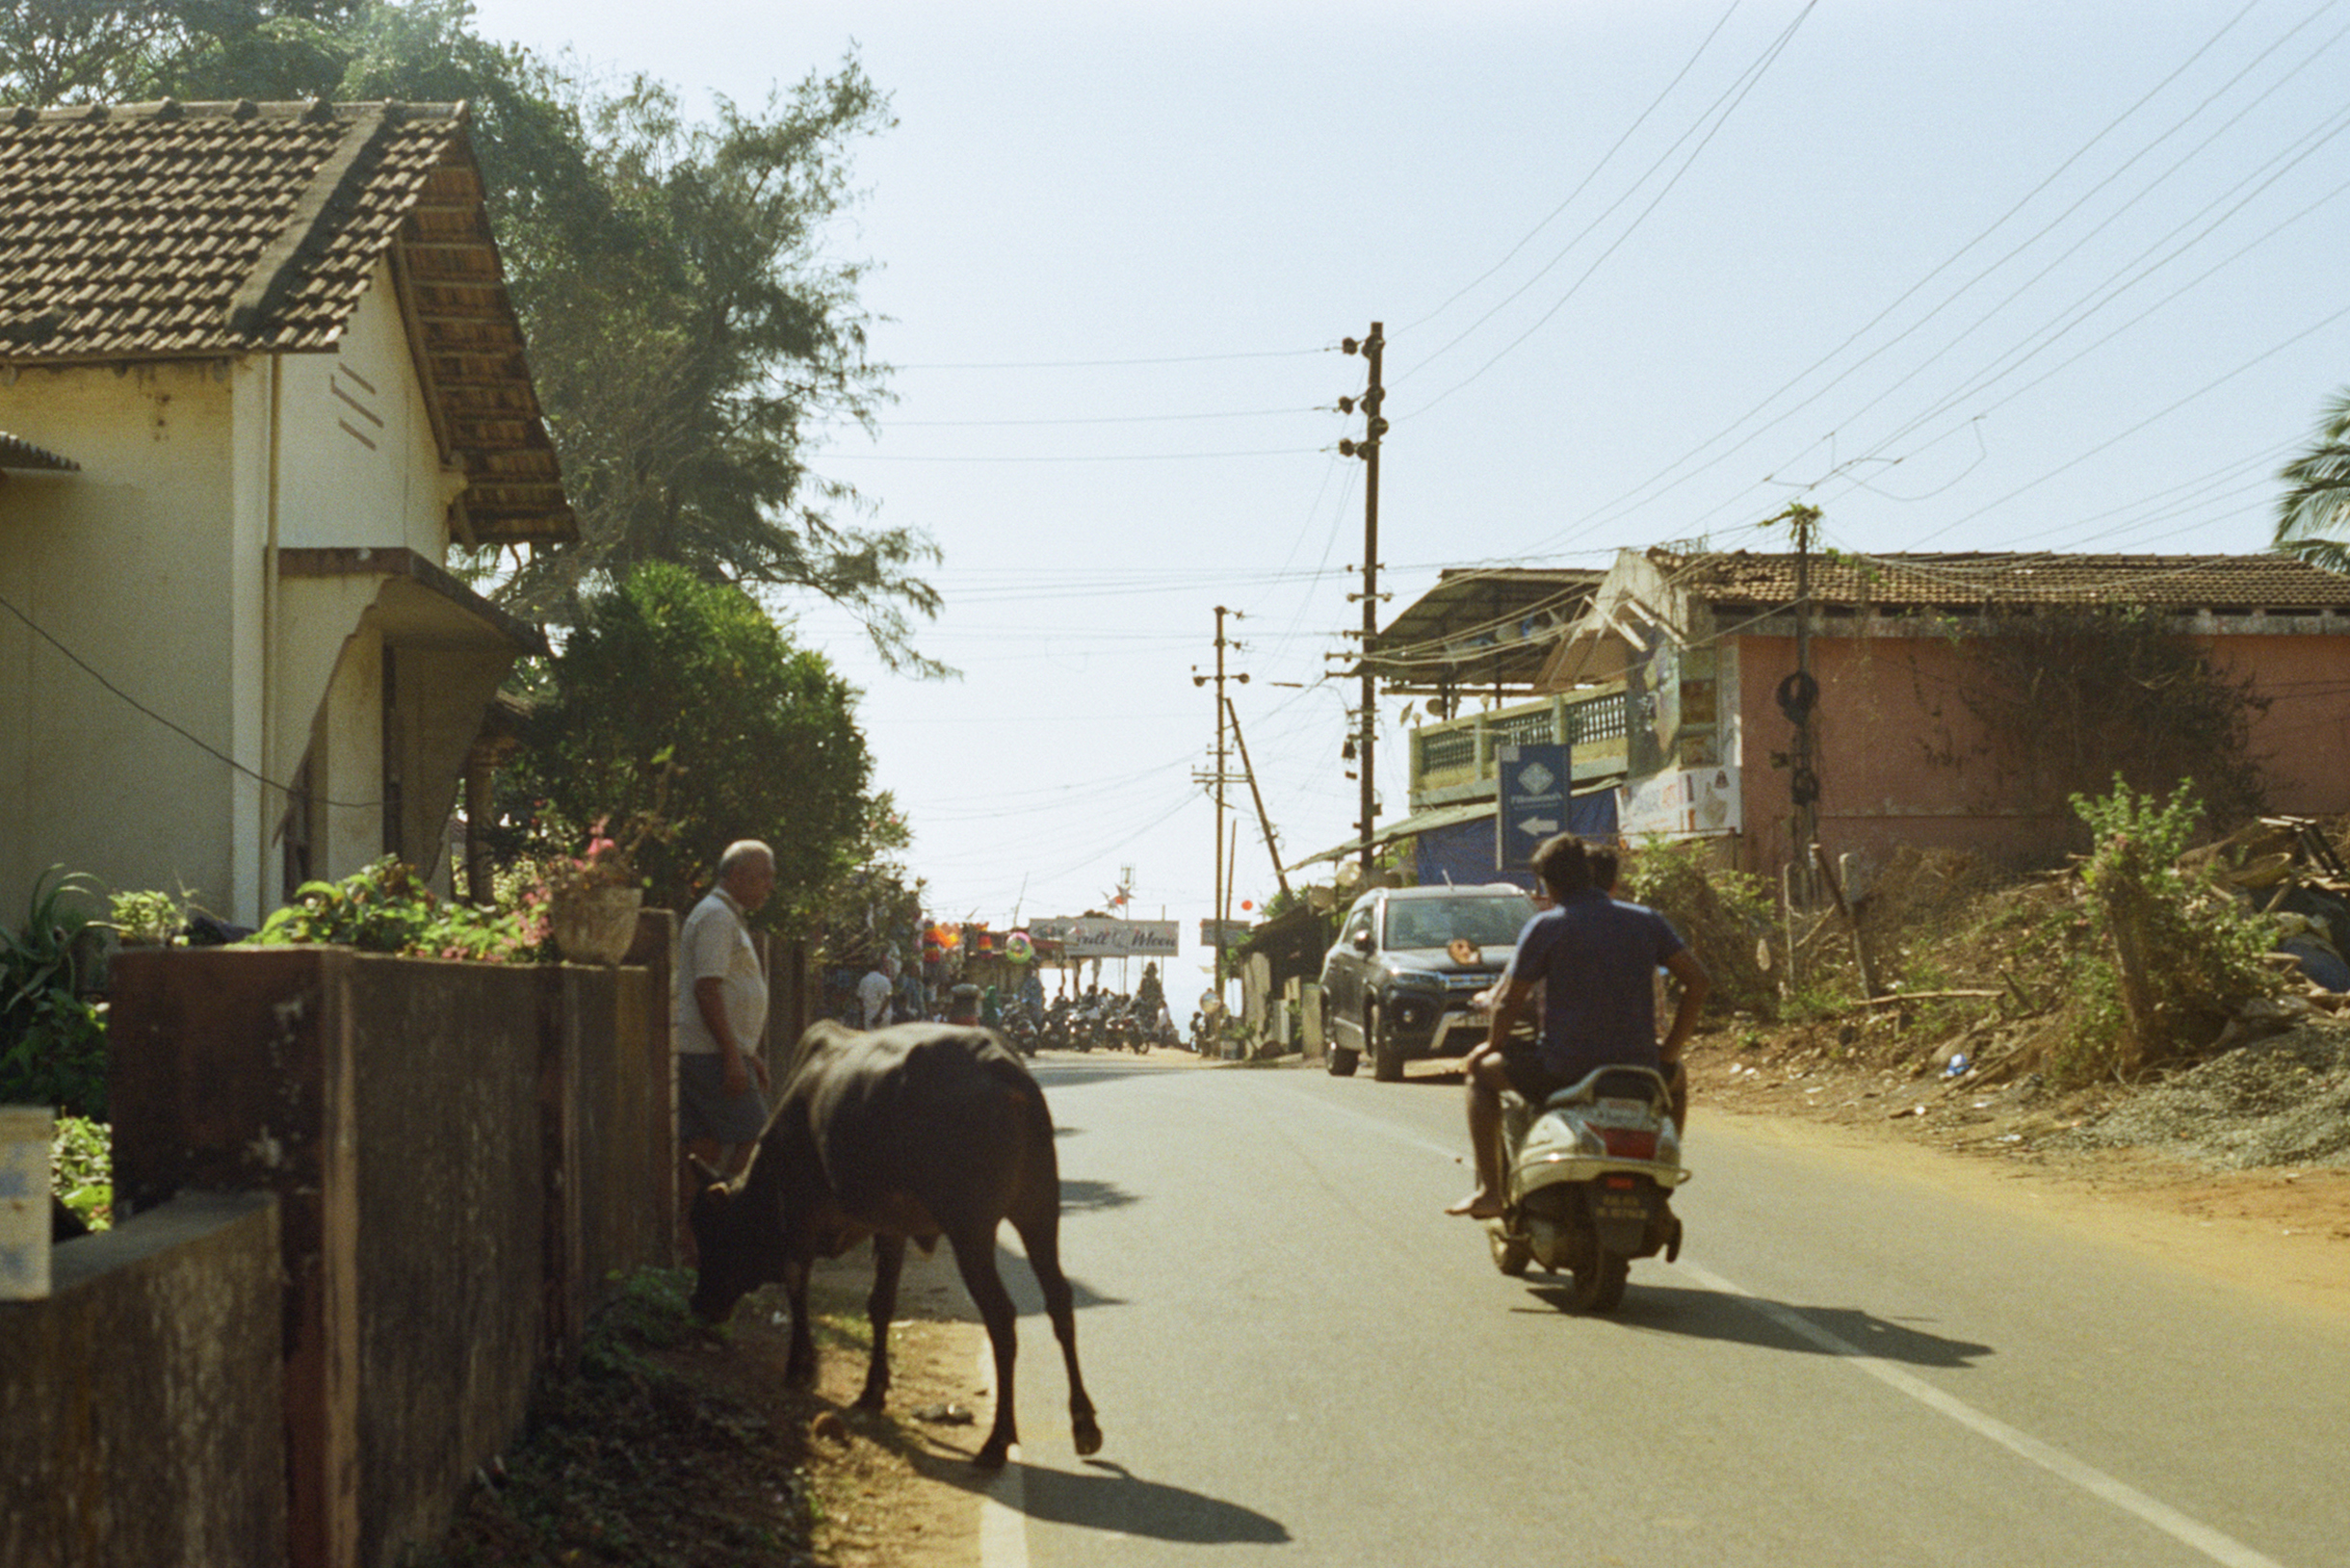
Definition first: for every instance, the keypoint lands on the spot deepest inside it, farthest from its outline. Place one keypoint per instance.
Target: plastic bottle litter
(1957, 1065)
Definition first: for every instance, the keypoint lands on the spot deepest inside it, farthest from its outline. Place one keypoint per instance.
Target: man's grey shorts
(706, 1112)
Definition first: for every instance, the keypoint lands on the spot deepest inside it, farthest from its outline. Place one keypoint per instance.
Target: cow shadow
(1739, 1319)
(1105, 1496)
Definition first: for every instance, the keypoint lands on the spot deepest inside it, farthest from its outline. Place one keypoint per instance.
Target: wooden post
(1860, 947)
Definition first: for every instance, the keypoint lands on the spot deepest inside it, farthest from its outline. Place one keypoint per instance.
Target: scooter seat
(1613, 1083)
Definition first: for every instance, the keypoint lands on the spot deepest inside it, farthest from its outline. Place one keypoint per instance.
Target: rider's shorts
(1534, 1082)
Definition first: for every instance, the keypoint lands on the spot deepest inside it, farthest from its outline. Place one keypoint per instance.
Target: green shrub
(82, 1169)
(52, 1040)
(1720, 911)
(387, 908)
(2177, 953)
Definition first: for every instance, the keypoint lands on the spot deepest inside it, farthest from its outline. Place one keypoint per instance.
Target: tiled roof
(2222, 584)
(173, 230)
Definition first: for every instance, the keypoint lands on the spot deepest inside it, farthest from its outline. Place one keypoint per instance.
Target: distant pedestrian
(877, 993)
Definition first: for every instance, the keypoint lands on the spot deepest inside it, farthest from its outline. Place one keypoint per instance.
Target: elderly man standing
(719, 1011)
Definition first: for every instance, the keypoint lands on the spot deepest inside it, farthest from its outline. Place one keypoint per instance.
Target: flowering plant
(611, 856)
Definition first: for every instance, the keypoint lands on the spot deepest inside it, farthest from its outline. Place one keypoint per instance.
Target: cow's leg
(888, 1259)
(975, 1254)
(1041, 1237)
(799, 1366)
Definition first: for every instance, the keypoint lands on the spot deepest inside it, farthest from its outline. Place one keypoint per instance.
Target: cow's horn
(704, 1170)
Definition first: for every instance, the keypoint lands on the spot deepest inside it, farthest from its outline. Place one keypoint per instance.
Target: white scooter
(1590, 1178)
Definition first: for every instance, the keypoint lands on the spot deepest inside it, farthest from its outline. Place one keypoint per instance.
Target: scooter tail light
(1628, 1142)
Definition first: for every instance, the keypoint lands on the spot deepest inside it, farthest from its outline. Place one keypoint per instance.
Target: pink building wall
(1902, 760)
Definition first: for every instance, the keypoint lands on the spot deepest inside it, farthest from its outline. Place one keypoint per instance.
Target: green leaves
(387, 908)
(52, 1042)
(2314, 519)
(668, 667)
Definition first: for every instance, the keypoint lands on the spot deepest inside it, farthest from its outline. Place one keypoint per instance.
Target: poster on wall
(1682, 802)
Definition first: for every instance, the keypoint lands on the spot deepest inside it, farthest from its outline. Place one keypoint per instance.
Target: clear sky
(1966, 275)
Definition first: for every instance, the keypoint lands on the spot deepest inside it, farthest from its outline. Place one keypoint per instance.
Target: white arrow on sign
(1538, 827)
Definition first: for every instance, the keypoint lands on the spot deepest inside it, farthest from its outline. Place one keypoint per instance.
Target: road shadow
(1741, 1319)
(1077, 1194)
(1107, 1496)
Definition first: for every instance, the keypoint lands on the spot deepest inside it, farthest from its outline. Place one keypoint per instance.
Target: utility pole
(1217, 779)
(1272, 846)
(1798, 696)
(1375, 427)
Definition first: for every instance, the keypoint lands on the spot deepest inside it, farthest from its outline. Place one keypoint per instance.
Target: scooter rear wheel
(1598, 1287)
(1510, 1254)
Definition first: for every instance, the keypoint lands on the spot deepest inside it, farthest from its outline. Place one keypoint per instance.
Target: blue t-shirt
(1595, 957)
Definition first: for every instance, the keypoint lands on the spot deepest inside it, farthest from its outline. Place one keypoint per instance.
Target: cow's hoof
(992, 1454)
(1088, 1435)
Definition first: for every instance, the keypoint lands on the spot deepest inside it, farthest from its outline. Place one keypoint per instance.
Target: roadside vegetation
(2134, 996)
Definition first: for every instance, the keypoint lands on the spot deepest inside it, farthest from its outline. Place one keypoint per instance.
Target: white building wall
(360, 465)
(128, 564)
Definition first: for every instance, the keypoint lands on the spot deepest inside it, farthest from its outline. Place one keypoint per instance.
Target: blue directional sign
(1532, 806)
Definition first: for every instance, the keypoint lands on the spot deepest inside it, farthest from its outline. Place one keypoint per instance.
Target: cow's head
(738, 1239)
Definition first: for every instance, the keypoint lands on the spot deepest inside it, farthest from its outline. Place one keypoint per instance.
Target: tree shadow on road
(1777, 1325)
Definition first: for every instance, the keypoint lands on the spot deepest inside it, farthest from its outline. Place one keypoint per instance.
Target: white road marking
(1004, 1541)
(2219, 1547)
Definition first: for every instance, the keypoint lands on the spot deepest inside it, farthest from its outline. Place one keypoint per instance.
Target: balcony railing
(1459, 753)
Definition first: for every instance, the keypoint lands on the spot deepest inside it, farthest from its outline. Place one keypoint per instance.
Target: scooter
(1591, 1175)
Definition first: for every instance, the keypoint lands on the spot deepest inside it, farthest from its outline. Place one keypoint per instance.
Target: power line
(1107, 364)
(205, 746)
(1584, 184)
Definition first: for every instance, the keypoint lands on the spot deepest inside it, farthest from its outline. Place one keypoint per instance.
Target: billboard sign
(1683, 803)
(1534, 780)
(1099, 936)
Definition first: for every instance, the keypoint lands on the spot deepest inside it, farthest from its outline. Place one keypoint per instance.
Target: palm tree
(2314, 519)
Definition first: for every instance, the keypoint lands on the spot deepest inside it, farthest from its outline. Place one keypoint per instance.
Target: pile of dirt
(2282, 1101)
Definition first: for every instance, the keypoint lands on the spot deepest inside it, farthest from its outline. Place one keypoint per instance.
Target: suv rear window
(1485, 921)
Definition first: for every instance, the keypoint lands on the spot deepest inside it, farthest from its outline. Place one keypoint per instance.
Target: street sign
(1534, 781)
(1236, 932)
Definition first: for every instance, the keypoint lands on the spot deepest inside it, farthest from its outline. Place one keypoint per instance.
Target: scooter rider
(1593, 957)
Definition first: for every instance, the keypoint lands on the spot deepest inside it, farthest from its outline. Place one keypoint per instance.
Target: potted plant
(593, 899)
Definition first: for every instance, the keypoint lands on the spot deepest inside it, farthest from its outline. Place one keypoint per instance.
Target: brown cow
(903, 1133)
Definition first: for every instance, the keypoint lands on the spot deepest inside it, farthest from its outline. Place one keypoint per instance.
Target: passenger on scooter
(1593, 957)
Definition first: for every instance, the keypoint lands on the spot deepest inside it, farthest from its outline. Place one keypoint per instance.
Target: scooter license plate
(1624, 1198)
(1617, 1114)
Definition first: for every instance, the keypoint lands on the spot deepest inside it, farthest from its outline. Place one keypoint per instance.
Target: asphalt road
(1298, 1359)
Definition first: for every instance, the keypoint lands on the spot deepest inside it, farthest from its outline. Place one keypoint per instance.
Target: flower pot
(596, 925)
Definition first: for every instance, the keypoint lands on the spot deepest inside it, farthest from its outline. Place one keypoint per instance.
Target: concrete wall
(361, 465)
(142, 1400)
(465, 1154)
(152, 565)
(128, 564)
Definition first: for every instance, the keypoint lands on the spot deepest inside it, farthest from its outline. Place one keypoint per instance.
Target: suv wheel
(1386, 1052)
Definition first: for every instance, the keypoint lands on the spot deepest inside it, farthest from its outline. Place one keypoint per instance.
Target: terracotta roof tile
(175, 230)
(2223, 584)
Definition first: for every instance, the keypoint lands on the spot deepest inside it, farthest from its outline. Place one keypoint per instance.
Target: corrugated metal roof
(15, 452)
(1970, 578)
(171, 230)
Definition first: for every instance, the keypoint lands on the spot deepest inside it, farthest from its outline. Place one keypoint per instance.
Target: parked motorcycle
(1590, 1177)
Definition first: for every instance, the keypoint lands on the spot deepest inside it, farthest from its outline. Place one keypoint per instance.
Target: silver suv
(1398, 983)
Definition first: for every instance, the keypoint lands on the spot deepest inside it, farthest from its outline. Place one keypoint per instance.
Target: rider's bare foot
(1478, 1205)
